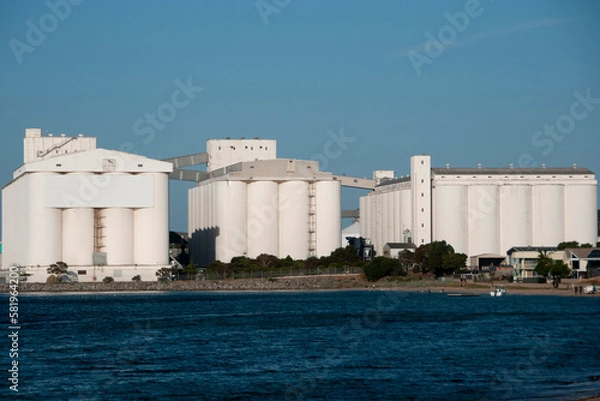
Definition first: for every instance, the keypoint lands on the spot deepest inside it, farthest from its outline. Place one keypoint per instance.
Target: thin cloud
(525, 26)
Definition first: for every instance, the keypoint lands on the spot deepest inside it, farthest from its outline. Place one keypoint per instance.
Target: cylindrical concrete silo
(367, 217)
(405, 213)
(329, 219)
(362, 201)
(397, 234)
(118, 232)
(45, 237)
(548, 215)
(391, 217)
(293, 219)
(385, 218)
(580, 209)
(483, 213)
(515, 215)
(78, 236)
(450, 216)
(230, 219)
(378, 236)
(151, 226)
(263, 218)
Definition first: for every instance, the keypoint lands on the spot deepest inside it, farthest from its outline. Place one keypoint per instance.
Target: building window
(422, 195)
(422, 225)
(422, 209)
(422, 181)
(82, 272)
(422, 162)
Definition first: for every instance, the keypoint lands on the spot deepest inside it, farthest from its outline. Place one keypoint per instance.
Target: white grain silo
(485, 210)
(78, 236)
(262, 218)
(516, 204)
(450, 213)
(103, 213)
(548, 214)
(483, 219)
(282, 207)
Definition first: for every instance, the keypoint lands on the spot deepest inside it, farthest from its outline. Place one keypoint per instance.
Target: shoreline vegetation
(309, 283)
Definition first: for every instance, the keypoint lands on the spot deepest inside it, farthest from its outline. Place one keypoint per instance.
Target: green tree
(421, 258)
(381, 266)
(406, 258)
(164, 274)
(567, 244)
(58, 272)
(266, 261)
(440, 261)
(560, 269)
(453, 262)
(58, 269)
(190, 269)
(544, 264)
(345, 256)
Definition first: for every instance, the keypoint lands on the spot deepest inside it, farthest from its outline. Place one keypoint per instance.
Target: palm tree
(544, 264)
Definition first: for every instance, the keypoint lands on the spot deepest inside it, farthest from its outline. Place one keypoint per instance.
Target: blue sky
(297, 71)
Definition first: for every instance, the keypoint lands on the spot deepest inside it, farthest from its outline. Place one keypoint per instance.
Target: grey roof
(585, 253)
(400, 245)
(513, 171)
(531, 249)
(390, 181)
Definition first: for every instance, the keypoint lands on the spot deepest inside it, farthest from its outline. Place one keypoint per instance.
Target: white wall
(481, 213)
(225, 152)
(49, 216)
(275, 219)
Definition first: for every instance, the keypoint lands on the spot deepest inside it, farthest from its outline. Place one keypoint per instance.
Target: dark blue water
(350, 345)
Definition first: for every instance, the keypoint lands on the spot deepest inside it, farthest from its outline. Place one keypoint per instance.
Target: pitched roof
(400, 245)
(531, 249)
(585, 253)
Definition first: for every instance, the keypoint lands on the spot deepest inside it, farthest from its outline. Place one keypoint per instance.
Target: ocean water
(344, 345)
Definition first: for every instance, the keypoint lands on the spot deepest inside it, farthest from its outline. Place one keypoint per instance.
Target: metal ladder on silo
(312, 220)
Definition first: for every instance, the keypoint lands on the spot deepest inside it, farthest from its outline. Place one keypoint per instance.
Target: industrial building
(250, 202)
(105, 213)
(102, 212)
(481, 210)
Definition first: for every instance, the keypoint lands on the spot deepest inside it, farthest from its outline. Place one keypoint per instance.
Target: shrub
(136, 278)
(108, 279)
(52, 279)
(381, 266)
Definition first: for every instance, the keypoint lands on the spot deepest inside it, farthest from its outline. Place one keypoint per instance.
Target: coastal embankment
(322, 282)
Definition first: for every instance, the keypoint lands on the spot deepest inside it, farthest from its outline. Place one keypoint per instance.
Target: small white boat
(498, 291)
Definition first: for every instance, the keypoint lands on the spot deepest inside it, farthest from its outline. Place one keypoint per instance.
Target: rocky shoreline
(324, 282)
